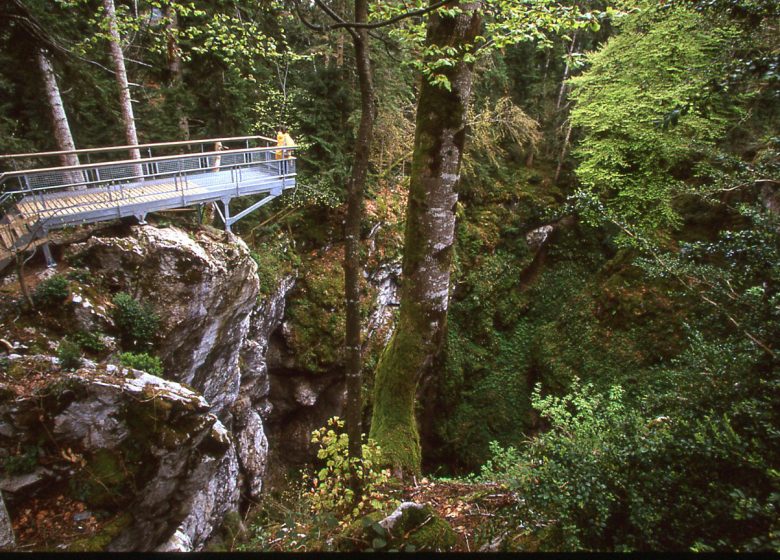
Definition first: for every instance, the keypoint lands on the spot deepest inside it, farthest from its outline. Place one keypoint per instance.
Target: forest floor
(470, 508)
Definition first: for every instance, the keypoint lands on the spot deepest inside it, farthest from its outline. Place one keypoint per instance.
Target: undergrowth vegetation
(137, 322)
(322, 511)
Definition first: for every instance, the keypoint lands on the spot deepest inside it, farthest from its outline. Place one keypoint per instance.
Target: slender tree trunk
(429, 236)
(59, 119)
(175, 70)
(118, 59)
(566, 70)
(352, 265)
(564, 149)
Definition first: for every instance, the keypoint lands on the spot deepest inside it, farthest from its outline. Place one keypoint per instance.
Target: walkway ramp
(38, 200)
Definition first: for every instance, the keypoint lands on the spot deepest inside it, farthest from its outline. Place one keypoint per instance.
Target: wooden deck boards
(78, 203)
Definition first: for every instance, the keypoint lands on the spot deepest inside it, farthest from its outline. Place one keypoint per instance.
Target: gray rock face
(93, 422)
(214, 485)
(203, 286)
(264, 320)
(26, 483)
(301, 402)
(380, 321)
(6, 530)
(538, 237)
(179, 542)
(252, 449)
(253, 405)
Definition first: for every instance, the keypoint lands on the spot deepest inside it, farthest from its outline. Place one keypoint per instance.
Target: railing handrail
(223, 167)
(131, 147)
(8, 174)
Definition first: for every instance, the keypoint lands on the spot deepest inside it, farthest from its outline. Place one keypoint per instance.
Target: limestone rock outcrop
(127, 440)
(202, 284)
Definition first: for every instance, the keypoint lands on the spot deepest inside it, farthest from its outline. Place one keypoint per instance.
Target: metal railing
(33, 160)
(120, 182)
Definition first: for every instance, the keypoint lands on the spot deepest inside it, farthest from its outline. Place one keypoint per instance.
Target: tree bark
(428, 241)
(118, 58)
(352, 265)
(59, 119)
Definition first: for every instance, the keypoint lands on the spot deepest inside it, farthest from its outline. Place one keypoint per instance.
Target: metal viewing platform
(170, 175)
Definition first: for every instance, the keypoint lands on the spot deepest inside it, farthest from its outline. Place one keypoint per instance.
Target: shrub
(330, 489)
(51, 291)
(608, 477)
(320, 511)
(137, 322)
(24, 462)
(89, 341)
(69, 354)
(142, 361)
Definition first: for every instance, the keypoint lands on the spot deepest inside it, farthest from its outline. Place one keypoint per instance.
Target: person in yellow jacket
(283, 139)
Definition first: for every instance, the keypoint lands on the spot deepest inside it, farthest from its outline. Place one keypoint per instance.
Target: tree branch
(305, 22)
(377, 24)
(339, 21)
(352, 25)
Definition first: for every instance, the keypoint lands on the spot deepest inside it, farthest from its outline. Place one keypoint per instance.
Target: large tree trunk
(118, 59)
(352, 266)
(59, 119)
(429, 236)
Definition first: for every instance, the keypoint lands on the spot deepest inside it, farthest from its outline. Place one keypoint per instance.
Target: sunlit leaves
(642, 136)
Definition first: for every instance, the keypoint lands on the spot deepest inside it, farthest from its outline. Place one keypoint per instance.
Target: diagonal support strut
(230, 221)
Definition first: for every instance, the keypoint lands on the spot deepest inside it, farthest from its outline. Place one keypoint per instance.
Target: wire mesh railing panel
(232, 159)
(46, 180)
(117, 172)
(89, 190)
(261, 156)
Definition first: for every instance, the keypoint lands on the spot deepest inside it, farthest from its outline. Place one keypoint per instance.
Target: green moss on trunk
(428, 239)
(393, 424)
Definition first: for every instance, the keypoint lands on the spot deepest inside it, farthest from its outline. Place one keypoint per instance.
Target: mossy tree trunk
(429, 236)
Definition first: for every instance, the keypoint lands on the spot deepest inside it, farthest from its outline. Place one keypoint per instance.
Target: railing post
(182, 180)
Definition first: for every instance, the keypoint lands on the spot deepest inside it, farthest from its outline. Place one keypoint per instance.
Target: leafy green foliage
(23, 462)
(69, 354)
(330, 488)
(51, 291)
(142, 361)
(609, 477)
(320, 512)
(137, 322)
(90, 341)
(640, 80)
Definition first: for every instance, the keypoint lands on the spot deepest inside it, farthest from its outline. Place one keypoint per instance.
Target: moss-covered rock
(425, 530)
(100, 540)
(411, 527)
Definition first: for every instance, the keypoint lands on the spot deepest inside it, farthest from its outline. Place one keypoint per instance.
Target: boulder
(215, 493)
(122, 440)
